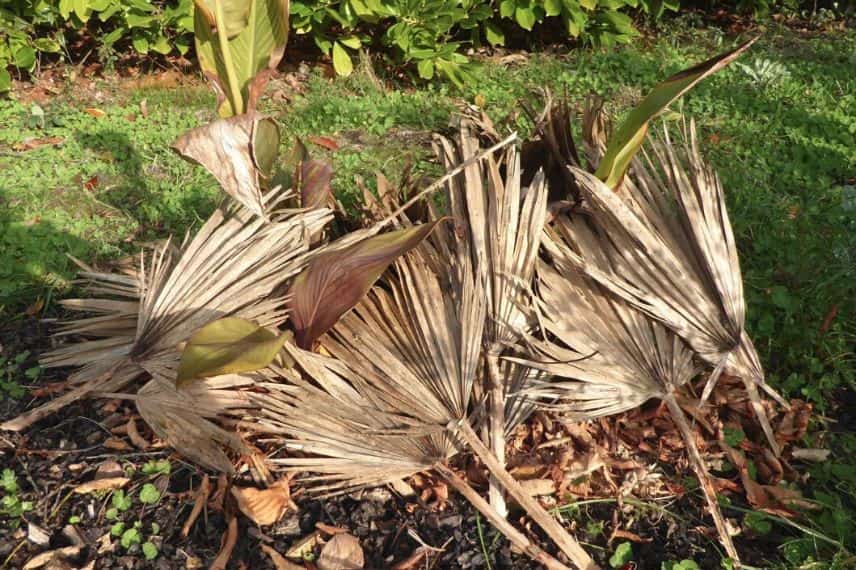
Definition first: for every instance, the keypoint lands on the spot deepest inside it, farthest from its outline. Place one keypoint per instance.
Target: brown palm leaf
(503, 223)
(671, 254)
(229, 268)
(606, 357)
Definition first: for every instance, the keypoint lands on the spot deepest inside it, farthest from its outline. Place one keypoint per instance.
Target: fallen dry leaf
(414, 560)
(116, 444)
(325, 142)
(303, 547)
(134, 435)
(264, 506)
(94, 112)
(30, 144)
(538, 487)
(279, 561)
(343, 552)
(56, 558)
(108, 483)
(329, 529)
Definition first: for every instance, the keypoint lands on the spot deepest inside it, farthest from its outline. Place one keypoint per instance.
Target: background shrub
(427, 37)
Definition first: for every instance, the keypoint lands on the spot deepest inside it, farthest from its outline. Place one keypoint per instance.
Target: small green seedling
(682, 565)
(10, 374)
(11, 504)
(157, 467)
(149, 494)
(623, 555)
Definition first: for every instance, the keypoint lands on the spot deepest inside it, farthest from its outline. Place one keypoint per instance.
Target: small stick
(201, 499)
(542, 518)
(703, 476)
(517, 538)
(496, 430)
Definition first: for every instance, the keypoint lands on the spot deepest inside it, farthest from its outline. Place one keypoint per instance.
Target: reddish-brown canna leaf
(315, 177)
(336, 281)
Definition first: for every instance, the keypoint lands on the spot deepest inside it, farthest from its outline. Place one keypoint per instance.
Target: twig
(201, 499)
(542, 518)
(703, 476)
(500, 523)
(496, 430)
(228, 545)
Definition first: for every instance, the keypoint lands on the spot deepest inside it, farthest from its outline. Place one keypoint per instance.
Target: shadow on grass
(33, 259)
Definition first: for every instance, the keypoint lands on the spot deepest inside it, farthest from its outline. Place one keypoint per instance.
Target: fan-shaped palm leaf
(229, 268)
(671, 254)
(605, 356)
(503, 223)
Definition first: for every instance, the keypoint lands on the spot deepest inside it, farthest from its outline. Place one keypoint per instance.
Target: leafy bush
(31, 27)
(428, 35)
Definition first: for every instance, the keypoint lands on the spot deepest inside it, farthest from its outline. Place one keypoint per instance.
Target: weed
(11, 505)
(10, 375)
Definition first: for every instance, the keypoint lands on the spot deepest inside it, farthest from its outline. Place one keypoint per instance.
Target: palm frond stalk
(229, 268)
(665, 245)
(502, 223)
(406, 356)
(605, 356)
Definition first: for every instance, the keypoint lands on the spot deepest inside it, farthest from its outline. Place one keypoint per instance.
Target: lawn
(780, 128)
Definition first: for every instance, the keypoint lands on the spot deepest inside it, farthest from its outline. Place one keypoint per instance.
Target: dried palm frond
(354, 440)
(605, 356)
(405, 360)
(503, 223)
(229, 268)
(671, 253)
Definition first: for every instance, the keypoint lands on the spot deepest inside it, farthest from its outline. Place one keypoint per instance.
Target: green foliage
(682, 565)
(29, 28)
(149, 494)
(11, 373)
(150, 551)
(157, 467)
(11, 504)
(623, 554)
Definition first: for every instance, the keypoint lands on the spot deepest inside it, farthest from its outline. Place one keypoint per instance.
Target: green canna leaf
(228, 346)
(335, 282)
(628, 139)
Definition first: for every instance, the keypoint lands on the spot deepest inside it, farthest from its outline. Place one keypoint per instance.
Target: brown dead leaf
(116, 444)
(34, 309)
(538, 487)
(815, 455)
(97, 113)
(343, 552)
(54, 558)
(326, 142)
(329, 529)
(627, 535)
(108, 483)
(264, 506)
(795, 422)
(279, 561)
(30, 144)
(134, 435)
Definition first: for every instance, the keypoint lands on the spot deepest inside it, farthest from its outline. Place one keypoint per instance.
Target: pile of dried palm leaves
(561, 280)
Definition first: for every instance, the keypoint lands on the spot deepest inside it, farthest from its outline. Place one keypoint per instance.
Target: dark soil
(65, 450)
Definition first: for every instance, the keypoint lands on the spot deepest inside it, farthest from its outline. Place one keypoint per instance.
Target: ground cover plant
(838, 366)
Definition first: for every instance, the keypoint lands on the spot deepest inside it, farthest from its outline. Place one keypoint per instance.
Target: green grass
(784, 144)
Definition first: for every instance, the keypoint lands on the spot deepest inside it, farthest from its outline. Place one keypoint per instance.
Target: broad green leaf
(506, 8)
(588, 4)
(525, 16)
(149, 494)
(352, 42)
(238, 65)
(425, 68)
(623, 555)
(47, 45)
(141, 44)
(228, 346)
(25, 58)
(5, 80)
(150, 551)
(341, 60)
(628, 139)
(553, 7)
(235, 14)
(335, 282)
(494, 34)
